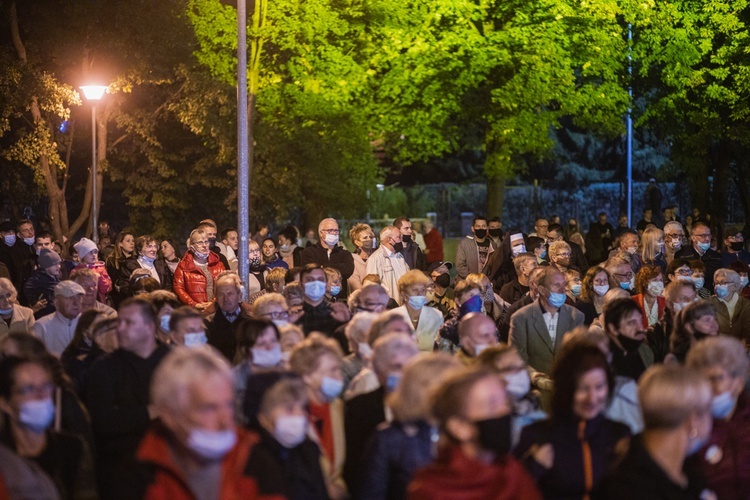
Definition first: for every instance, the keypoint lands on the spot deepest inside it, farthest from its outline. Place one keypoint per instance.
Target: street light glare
(93, 92)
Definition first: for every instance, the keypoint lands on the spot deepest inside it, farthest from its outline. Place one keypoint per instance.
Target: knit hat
(69, 288)
(48, 258)
(84, 247)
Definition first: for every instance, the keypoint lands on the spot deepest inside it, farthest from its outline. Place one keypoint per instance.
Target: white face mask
(364, 349)
(518, 384)
(655, 288)
(195, 339)
(331, 239)
(290, 430)
(211, 445)
(267, 358)
(601, 290)
(679, 306)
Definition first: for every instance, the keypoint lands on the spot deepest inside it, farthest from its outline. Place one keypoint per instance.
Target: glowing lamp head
(93, 92)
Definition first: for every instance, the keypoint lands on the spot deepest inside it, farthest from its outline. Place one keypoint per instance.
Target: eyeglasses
(675, 235)
(626, 276)
(200, 243)
(684, 272)
(38, 390)
(276, 315)
(330, 231)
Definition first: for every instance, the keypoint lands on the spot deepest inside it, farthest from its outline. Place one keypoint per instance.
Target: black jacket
(162, 269)
(513, 291)
(362, 415)
(318, 319)
(340, 258)
(293, 473)
(222, 334)
(41, 285)
(414, 257)
(711, 259)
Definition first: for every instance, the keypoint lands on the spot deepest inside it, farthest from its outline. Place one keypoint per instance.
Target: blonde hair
(358, 229)
(557, 247)
(648, 243)
(411, 278)
(669, 394)
(306, 355)
(359, 326)
(268, 299)
(387, 346)
(421, 375)
(6, 284)
(181, 369)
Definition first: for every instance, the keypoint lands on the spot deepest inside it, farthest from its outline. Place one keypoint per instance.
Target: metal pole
(94, 214)
(243, 188)
(630, 127)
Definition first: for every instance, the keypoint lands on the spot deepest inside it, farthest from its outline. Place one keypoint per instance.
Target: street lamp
(93, 93)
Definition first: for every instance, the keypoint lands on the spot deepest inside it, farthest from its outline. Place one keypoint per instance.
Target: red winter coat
(454, 476)
(165, 480)
(190, 283)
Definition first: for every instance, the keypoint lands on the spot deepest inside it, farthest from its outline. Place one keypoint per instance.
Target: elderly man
(700, 236)
(476, 332)
(56, 329)
(327, 253)
(363, 413)
(628, 242)
(187, 327)
(555, 233)
(222, 325)
(537, 330)
(89, 281)
(117, 395)
(673, 236)
(433, 241)
(195, 449)
(412, 253)
(622, 272)
(387, 261)
(732, 310)
(513, 290)
(14, 318)
(474, 251)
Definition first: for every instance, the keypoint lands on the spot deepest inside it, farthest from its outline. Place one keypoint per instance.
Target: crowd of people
(554, 363)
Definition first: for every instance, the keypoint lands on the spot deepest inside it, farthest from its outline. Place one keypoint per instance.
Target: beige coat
(22, 321)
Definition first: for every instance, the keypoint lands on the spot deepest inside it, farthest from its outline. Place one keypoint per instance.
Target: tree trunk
(495, 196)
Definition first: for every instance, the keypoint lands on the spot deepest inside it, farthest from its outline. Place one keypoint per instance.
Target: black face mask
(443, 280)
(212, 242)
(397, 247)
(480, 233)
(406, 238)
(496, 233)
(629, 344)
(494, 434)
(737, 246)
(700, 335)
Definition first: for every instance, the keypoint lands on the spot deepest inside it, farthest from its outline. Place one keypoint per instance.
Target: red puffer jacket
(190, 283)
(725, 459)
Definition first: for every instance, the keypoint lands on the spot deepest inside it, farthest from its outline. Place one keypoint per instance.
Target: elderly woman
(425, 320)
(694, 322)
(363, 238)
(724, 458)
(317, 360)
(196, 274)
(356, 334)
(14, 318)
(271, 307)
(569, 453)
(652, 248)
(733, 311)
(286, 462)
(559, 255)
(405, 444)
(146, 257)
(649, 287)
(676, 405)
(28, 411)
(473, 415)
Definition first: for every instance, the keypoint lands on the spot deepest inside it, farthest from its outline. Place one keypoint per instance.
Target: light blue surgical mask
(704, 246)
(266, 358)
(147, 260)
(28, 241)
(417, 301)
(211, 445)
(696, 444)
(392, 382)
(164, 322)
(6, 312)
(625, 285)
(315, 290)
(575, 290)
(722, 405)
(335, 290)
(543, 255)
(331, 388)
(699, 282)
(10, 239)
(743, 281)
(722, 291)
(557, 299)
(37, 415)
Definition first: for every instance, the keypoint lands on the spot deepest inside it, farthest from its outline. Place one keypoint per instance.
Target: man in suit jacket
(222, 325)
(537, 330)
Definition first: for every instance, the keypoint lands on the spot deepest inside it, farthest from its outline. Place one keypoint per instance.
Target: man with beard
(623, 324)
(412, 254)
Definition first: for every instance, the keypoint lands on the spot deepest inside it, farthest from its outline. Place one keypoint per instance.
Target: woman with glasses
(195, 277)
(146, 257)
(30, 426)
(679, 269)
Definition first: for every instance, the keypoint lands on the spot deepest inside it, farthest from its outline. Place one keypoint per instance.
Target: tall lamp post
(93, 93)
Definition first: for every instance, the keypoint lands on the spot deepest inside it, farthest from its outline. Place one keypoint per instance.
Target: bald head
(476, 332)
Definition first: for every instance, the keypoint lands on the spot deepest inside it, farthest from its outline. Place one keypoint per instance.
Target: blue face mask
(28, 241)
(335, 290)
(37, 415)
(575, 290)
(392, 382)
(417, 301)
(164, 322)
(625, 285)
(556, 299)
(704, 246)
(314, 290)
(6, 312)
(722, 405)
(148, 260)
(10, 239)
(543, 255)
(696, 444)
(474, 304)
(331, 388)
(722, 291)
